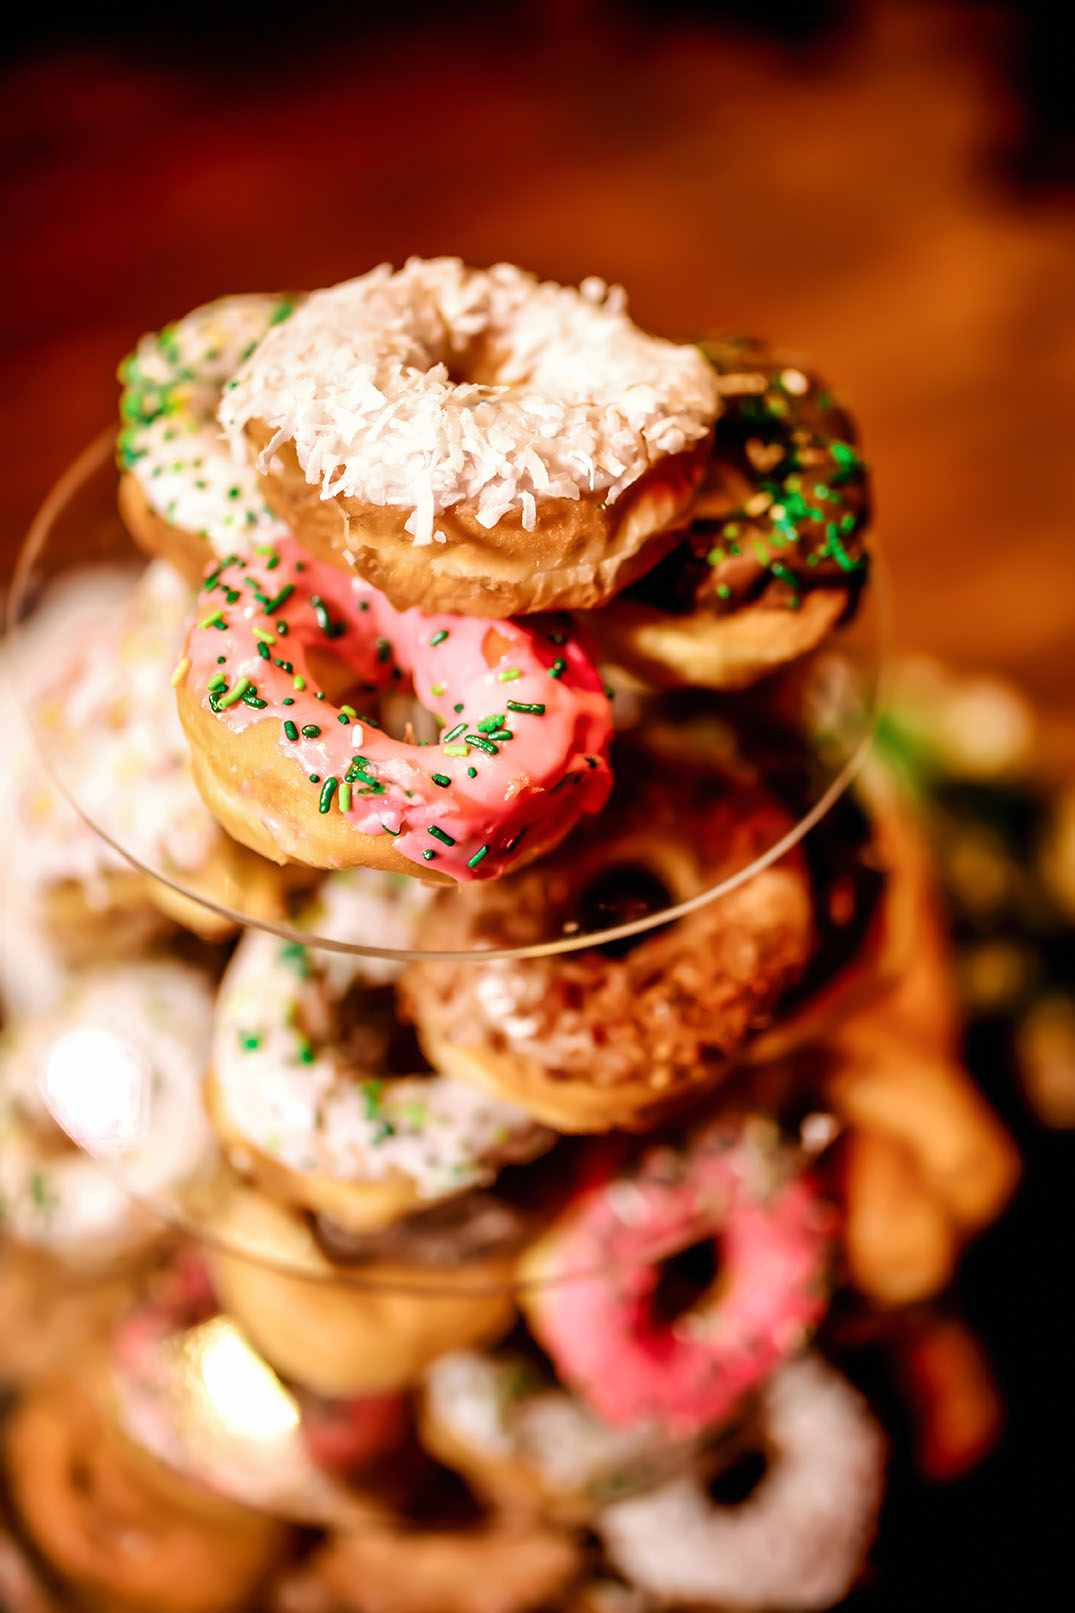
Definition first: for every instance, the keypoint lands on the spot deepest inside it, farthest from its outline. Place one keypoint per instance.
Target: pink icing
(604, 1332)
(507, 796)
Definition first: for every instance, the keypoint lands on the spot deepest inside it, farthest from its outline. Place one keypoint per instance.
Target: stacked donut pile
(519, 1268)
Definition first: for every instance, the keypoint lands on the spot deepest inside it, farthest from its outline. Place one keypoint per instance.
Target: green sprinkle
(723, 591)
(532, 709)
(295, 956)
(285, 666)
(233, 696)
(299, 682)
(281, 312)
(439, 834)
(251, 698)
(442, 779)
(264, 652)
(306, 1052)
(454, 733)
(349, 711)
(217, 682)
(458, 708)
(272, 562)
(279, 599)
(437, 689)
(487, 723)
(343, 800)
(509, 675)
(395, 833)
(310, 730)
(287, 701)
(438, 637)
(249, 1041)
(456, 750)
(483, 744)
(384, 650)
(472, 772)
(843, 453)
(501, 735)
(482, 851)
(330, 628)
(215, 619)
(329, 788)
(558, 668)
(265, 636)
(788, 577)
(290, 731)
(430, 856)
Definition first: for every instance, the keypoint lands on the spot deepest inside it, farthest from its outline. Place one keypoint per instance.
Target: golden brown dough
(110, 1529)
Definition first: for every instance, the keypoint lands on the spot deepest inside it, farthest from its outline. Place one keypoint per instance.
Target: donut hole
(735, 1484)
(443, 1499)
(620, 894)
(372, 1036)
(684, 1279)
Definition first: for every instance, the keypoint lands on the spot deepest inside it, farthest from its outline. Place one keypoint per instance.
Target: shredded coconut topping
(437, 385)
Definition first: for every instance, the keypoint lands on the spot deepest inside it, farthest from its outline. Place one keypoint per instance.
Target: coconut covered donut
(612, 1036)
(318, 1091)
(524, 725)
(476, 440)
(123, 1530)
(105, 712)
(773, 557)
(797, 1541)
(119, 1065)
(360, 1329)
(182, 492)
(598, 1285)
(525, 1445)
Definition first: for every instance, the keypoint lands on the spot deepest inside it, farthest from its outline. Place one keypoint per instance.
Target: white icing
(285, 1087)
(181, 460)
(798, 1539)
(119, 1066)
(32, 975)
(109, 726)
(359, 379)
(471, 1397)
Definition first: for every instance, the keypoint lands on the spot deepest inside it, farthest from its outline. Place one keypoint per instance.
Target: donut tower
(473, 1074)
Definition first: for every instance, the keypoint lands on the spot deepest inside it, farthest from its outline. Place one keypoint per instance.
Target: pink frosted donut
(524, 725)
(597, 1302)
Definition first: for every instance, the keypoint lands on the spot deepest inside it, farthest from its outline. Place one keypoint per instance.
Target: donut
(474, 440)
(304, 1089)
(340, 1331)
(496, 1566)
(130, 1534)
(798, 1539)
(772, 558)
(52, 1313)
(182, 493)
(526, 1446)
(119, 1067)
(619, 1332)
(106, 719)
(199, 1400)
(616, 1035)
(524, 725)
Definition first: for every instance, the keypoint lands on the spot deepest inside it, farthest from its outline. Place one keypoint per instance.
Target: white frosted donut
(521, 1442)
(203, 1402)
(310, 1103)
(799, 1538)
(183, 493)
(119, 1067)
(475, 440)
(32, 970)
(105, 713)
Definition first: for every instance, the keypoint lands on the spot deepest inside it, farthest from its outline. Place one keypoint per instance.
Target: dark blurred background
(885, 185)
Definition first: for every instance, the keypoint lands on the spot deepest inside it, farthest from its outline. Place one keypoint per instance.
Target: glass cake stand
(805, 736)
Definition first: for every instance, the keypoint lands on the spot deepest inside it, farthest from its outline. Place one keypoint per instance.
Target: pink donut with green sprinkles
(648, 1340)
(279, 689)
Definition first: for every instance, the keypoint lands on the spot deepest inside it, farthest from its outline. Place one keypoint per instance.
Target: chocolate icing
(785, 501)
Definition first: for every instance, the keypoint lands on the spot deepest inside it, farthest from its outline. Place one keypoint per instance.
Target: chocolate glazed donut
(615, 1035)
(773, 558)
